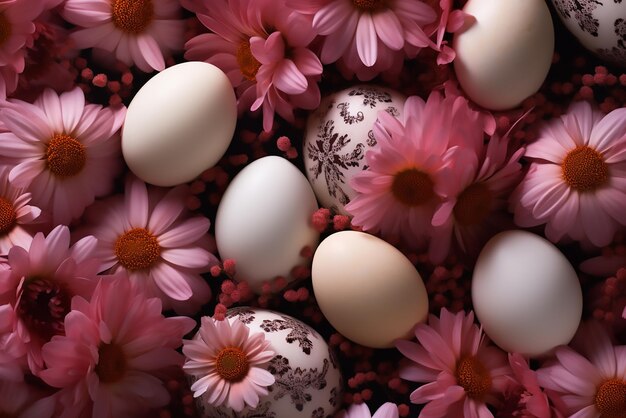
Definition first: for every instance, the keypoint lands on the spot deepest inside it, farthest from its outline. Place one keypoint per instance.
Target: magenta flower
(386, 410)
(576, 184)
(227, 363)
(108, 362)
(139, 32)
(21, 400)
(63, 151)
(462, 373)
(146, 235)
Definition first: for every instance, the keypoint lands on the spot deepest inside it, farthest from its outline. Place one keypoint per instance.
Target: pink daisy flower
(145, 234)
(591, 384)
(20, 400)
(386, 410)
(15, 213)
(227, 362)
(576, 184)
(41, 281)
(462, 372)
(139, 32)
(368, 36)
(108, 362)
(63, 151)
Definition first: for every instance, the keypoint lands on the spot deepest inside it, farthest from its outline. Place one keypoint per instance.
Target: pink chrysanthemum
(227, 362)
(145, 234)
(63, 151)
(41, 281)
(368, 36)
(108, 362)
(20, 400)
(263, 49)
(576, 183)
(591, 384)
(386, 410)
(139, 32)
(462, 372)
(15, 212)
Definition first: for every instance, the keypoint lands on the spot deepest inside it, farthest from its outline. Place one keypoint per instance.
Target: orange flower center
(65, 156)
(248, 65)
(232, 364)
(584, 169)
(132, 16)
(8, 216)
(611, 399)
(5, 29)
(111, 365)
(412, 187)
(473, 205)
(474, 377)
(370, 5)
(137, 249)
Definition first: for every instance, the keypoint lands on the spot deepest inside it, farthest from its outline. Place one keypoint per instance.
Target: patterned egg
(600, 25)
(308, 380)
(337, 136)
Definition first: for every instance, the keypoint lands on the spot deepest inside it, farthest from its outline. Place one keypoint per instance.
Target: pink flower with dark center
(139, 32)
(462, 373)
(386, 410)
(576, 184)
(146, 234)
(40, 283)
(63, 151)
(108, 362)
(227, 364)
(21, 400)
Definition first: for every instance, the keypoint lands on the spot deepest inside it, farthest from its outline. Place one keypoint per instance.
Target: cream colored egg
(367, 289)
(526, 294)
(179, 124)
(264, 220)
(504, 56)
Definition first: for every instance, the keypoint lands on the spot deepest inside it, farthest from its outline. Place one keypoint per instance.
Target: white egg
(264, 220)
(308, 380)
(505, 54)
(367, 289)
(526, 294)
(339, 134)
(599, 26)
(179, 124)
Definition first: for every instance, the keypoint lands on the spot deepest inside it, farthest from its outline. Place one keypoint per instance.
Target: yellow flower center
(111, 365)
(584, 169)
(474, 377)
(65, 156)
(412, 187)
(8, 216)
(370, 5)
(248, 65)
(137, 249)
(5, 29)
(611, 399)
(132, 16)
(232, 364)
(473, 205)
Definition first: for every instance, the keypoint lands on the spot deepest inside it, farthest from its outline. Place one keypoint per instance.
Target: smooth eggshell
(526, 294)
(308, 379)
(339, 134)
(367, 289)
(264, 220)
(179, 124)
(504, 56)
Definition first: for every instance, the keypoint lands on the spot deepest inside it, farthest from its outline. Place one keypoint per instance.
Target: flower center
(137, 249)
(43, 306)
(473, 205)
(611, 399)
(248, 65)
(132, 16)
(369, 5)
(111, 365)
(584, 169)
(412, 187)
(232, 364)
(65, 156)
(472, 376)
(8, 216)
(5, 29)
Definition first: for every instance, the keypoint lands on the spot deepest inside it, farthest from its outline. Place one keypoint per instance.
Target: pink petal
(598, 227)
(260, 377)
(389, 29)
(52, 107)
(72, 105)
(330, 18)
(268, 51)
(90, 37)
(23, 174)
(151, 52)
(137, 203)
(366, 40)
(289, 79)
(307, 62)
(167, 211)
(185, 234)
(193, 257)
(170, 281)
(387, 410)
